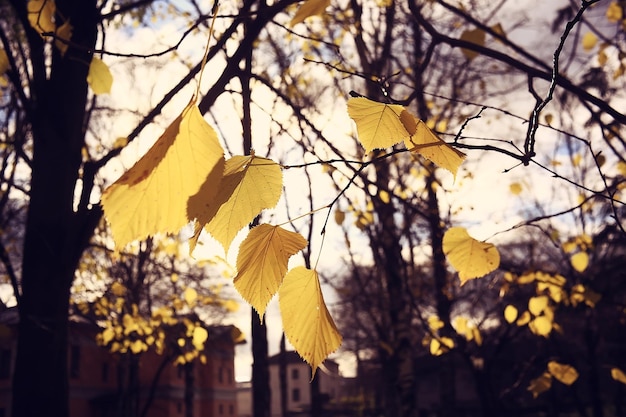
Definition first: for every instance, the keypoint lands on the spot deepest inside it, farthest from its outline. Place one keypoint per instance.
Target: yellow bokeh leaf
(536, 305)
(152, 196)
(424, 142)
(523, 319)
(441, 345)
(190, 295)
(41, 15)
(475, 36)
(63, 36)
(580, 261)
(251, 184)
(4, 67)
(199, 336)
(378, 125)
(515, 188)
(99, 77)
(614, 12)
(541, 326)
(565, 374)
(435, 323)
(262, 263)
(618, 375)
(309, 8)
(470, 257)
(540, 384)
(306, 320)
(510, 313)
(340, 216)
(589, 41)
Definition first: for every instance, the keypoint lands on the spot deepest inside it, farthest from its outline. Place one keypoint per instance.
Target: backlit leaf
(309, 8)
(538, 304)
(510, 313)
(475, 36)
(618, 375)
(152, 196)
(340, 216)
(4, 67)
(515, 188)
(199, 336)
(41, 15)
(378, 125)
(614, 12)
(424, 142)
(565, 374)
(250, 185)
(470, 257)
(306, 320)
(262, 263)
(99, 77)
(540, 384)
(441, 345)
(190, 296)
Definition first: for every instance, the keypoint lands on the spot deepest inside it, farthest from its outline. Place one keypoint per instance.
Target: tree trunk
(55, 235)
(261, 393)
(282, 377)
(189, 388)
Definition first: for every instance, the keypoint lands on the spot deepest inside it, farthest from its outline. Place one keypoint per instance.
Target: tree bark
(261, 392)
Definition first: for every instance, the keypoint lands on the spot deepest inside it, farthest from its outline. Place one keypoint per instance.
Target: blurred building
(95, 375)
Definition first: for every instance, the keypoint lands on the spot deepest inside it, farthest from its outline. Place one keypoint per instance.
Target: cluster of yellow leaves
(185, 178)
(578, 248)
(439, 345)
(42, 17)
(589, 41)
(565, 374)
(551, 291)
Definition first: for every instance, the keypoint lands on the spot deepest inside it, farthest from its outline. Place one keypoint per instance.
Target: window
(74, 361)
(231, 409)
(5, 363)
(221, 409)
(105, 371)
(179, 407)
(295, 373)
(295, 395)
(180, 372)
(220, 375)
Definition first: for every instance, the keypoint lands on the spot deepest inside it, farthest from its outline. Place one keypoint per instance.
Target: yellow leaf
(537, 305)
(580, 261)
(548, 118)
(589, 41)
(378, 125)
(510, 313)
(515, 188)
(107, 336)
(152, 196)
(618, 375)
(262, 263)
(497, 28)
(250, 185)
(540, 384)
(424, 142)
(138, 346)
(441, 346)
(99, 77)
(541, 326)
(190, 296)
(471, 258)
(476, 36)
(41, 15)
(523, 319)
(200, 335)
(384, 196)
(435, 323)
(614, 12)
(118, 289)
(64, 33)
(306, 320)
(120, 142)
(309, 8)
(565, 374)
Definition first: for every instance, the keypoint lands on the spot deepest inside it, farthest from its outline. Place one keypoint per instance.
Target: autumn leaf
(250, 185)
(536, 305)
(580, 261)
(378, 125)
(423, 141)
(306, 320)
(199, 336)
(4, 67)
(470, 257)
(262, 263)
(565, 374)
(475, 36)
(515, 188)
(151, 197)
(309, 8)
(589, 41)
(41, 15)
(99, 77)
(614, 12)
(541, 326)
